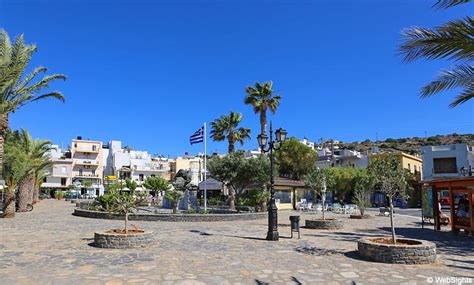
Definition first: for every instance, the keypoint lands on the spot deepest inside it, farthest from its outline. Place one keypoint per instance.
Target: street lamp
(273, 145)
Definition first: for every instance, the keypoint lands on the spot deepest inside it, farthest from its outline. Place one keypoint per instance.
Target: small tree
(390, 179)
(131, 184)
(362, 191)
(174, 196)
(123, 203)
(294, 159)
(157, 184)
(315, 180)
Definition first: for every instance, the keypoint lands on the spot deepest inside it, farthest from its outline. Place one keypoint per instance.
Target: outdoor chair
(309, 206)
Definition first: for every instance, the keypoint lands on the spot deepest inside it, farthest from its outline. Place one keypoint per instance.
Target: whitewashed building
(447, 161)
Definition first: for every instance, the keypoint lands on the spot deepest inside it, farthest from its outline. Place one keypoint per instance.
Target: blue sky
(150, 72)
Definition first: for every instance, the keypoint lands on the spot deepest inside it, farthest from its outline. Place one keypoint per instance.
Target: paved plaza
(50, 246)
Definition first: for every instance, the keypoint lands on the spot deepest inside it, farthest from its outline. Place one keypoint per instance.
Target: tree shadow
(200, 233)
(312, 250)
(293, 278)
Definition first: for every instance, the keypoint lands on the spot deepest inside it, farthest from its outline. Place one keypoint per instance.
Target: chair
(309, 206)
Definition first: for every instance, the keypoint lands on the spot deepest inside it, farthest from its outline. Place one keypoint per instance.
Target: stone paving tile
(50, 246)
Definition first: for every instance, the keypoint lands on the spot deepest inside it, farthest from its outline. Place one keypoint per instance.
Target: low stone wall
(327, 224)
(423, 252)
(112, 240)
(171, 217)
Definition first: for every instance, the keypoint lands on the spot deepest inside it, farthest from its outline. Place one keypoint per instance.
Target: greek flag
(197, 137)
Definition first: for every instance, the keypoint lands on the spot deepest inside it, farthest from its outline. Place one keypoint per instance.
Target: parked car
(445, 201)
(43, 195)
(73, 195)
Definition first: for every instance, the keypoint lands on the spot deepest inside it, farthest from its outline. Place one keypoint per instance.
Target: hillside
(409, 145)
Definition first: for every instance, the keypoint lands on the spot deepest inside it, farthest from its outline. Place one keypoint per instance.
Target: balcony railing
(86, 175)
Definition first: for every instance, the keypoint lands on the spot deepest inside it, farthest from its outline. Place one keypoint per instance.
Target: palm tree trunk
(24, 194)
(3, 129)
(36, 193)
(263, 124)
(231, 198)
(10, 207)
(30, 181)
(231, 141)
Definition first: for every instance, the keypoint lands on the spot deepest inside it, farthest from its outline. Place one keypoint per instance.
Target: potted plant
(315, 180)
(60, 195)
(389, 178)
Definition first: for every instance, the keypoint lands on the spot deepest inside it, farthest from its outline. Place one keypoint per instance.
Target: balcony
(86, 162)
(86, 149)
(86, 175)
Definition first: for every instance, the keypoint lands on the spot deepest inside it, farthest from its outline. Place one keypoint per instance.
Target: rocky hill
(409, 145)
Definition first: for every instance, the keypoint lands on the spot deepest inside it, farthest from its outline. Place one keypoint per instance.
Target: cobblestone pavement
(50, 246)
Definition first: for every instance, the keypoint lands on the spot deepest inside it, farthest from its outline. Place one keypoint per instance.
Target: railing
(87, 162)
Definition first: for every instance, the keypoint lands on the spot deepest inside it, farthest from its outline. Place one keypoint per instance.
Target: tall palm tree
(17, 90)
(38, 160)
(226, 127)
(39, 178)
(453, 40)
(261, 98)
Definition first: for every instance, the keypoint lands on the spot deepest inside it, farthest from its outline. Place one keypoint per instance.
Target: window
(153, 175)
(63, 181)
(45, 179)
(140, 177)
(283, 196)
(80, 172)
(409, 167)
(414, 167)
(445, 165)
(93, 171)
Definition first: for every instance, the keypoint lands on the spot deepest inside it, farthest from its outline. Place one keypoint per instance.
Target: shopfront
(457, 195)
(287, 192)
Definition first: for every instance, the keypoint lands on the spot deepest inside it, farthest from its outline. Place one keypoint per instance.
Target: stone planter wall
(172, 217)
(327, 224)
(422, 253)
(112, 240)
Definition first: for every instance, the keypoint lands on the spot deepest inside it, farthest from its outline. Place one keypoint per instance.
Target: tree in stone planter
(389, 178)
(315, 180)
(362, 190)
(125, 204)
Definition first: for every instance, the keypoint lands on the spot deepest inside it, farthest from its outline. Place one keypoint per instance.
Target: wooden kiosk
(461, 202)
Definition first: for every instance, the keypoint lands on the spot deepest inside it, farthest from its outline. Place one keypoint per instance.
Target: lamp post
(273, 145)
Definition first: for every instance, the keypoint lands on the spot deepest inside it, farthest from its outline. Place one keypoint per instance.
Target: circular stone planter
(327, 224)
(115, 240)
(406, 251)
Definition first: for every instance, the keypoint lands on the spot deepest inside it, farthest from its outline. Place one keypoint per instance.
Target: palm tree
(226, 127)
(17, 90)
(39, 178)
(16, 166)
(38, 160)
(261, 98)
(453, 40)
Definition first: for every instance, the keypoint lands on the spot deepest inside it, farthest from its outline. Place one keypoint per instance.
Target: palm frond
(465, 96)
(460, 76)
(454, 40)
(445, 4)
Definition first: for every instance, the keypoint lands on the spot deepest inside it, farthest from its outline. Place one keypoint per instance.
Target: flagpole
(205, 168)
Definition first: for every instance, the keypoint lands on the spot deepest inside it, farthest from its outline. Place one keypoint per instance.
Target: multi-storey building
(122, 163)
(59, 176)
(87, 166)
